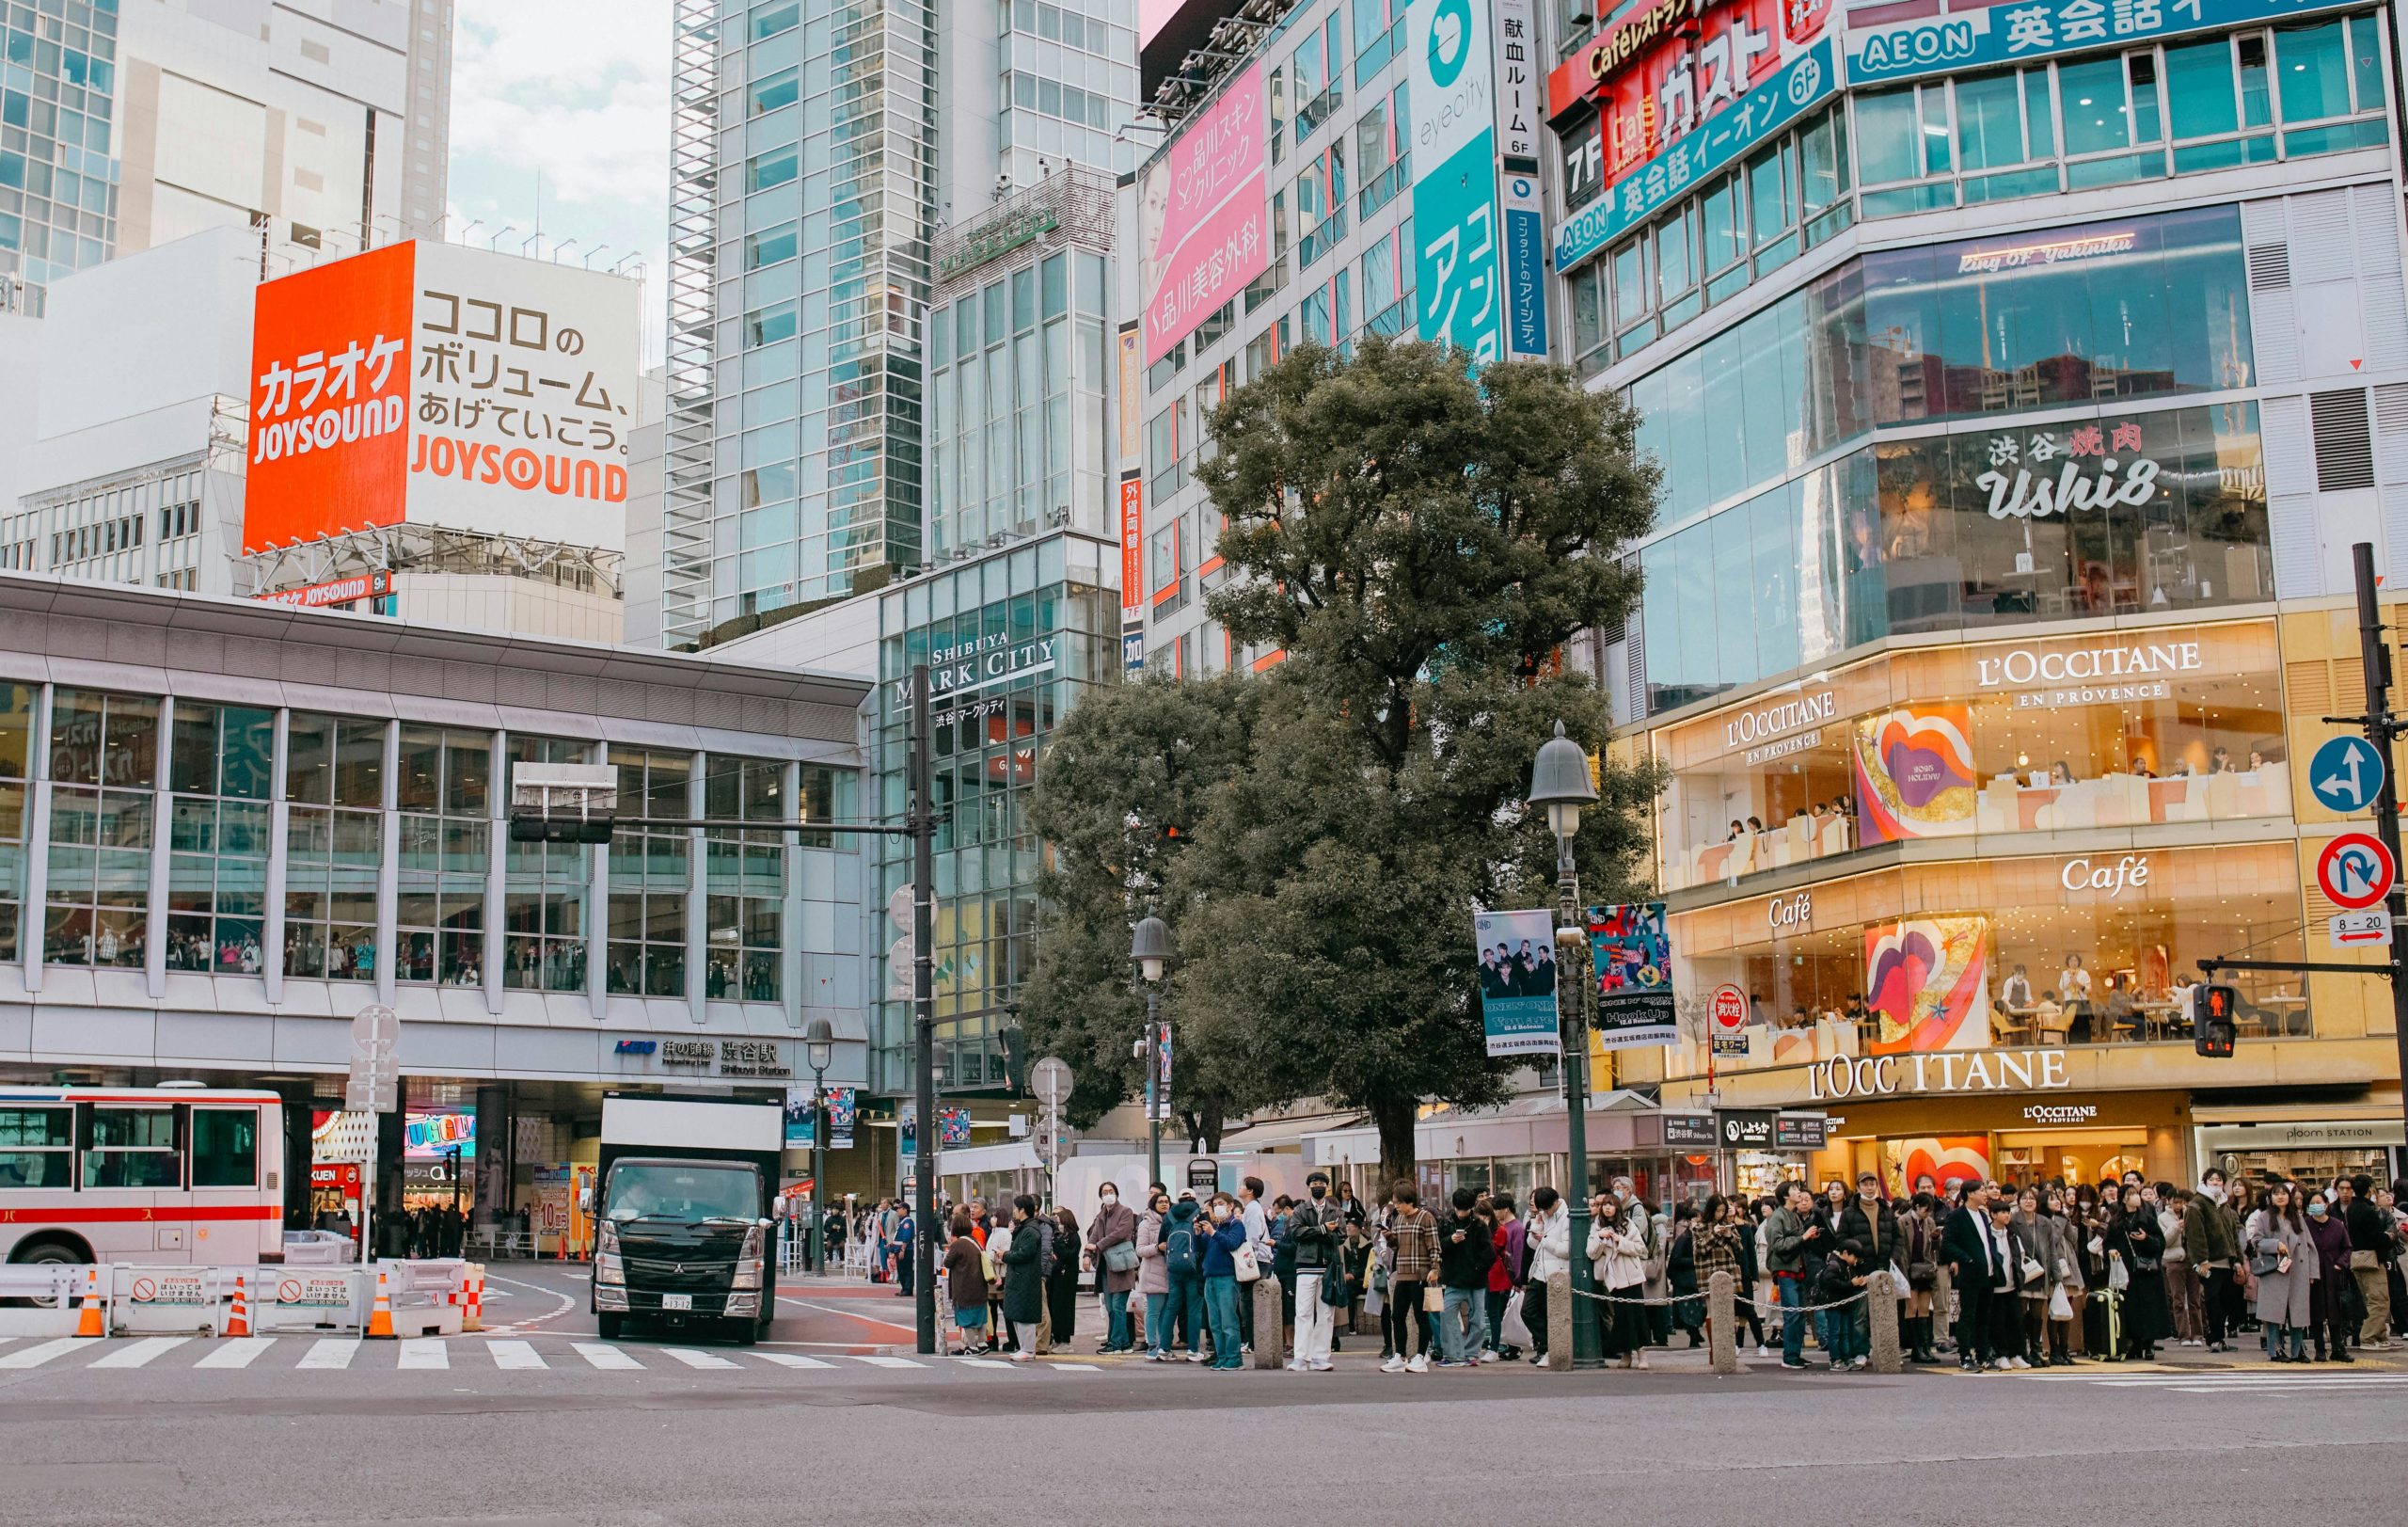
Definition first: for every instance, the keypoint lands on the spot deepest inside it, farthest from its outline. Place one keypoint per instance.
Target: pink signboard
(1205, 215)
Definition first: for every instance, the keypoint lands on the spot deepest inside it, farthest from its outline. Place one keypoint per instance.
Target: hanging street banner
(843, 1106)
(1517, 981)
(1971, 36)
(1633, 964)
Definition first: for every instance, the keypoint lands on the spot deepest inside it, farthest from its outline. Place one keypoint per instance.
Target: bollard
(1559, 1322)
(1270, 1317)
(1722, 1323)
(1881, 1292)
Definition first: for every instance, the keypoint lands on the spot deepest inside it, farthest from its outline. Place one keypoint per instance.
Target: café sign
(1945, 1070)
(2129, 873)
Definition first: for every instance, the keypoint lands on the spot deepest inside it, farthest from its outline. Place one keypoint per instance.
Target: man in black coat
(1869, 1221)
(1972, 1255)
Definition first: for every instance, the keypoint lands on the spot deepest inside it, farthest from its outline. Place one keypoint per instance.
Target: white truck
(686, 1215)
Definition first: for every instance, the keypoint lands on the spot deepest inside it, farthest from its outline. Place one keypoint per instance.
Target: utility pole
(2381, 730)
(924, 1010)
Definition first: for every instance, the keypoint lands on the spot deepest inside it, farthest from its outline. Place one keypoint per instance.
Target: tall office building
(126, 125)
(821, 148)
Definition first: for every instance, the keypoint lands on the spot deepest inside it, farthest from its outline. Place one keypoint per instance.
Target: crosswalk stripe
(135, 1353)
(425, 1352)
(1074, 1367)
(891, 1363)
(516, 1355)
(790, 1360)
(602, 1356)
(34, 1357)
(692, 1359)
(330, 1352)
(239, 1353)
(982, 1363)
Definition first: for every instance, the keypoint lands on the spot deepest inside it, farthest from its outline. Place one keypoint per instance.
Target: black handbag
(1337, 1289)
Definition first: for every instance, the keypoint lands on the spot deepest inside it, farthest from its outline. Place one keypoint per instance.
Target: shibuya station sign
(1940, 1070)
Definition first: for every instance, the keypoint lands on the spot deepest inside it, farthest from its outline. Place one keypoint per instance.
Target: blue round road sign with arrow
(2346, 775)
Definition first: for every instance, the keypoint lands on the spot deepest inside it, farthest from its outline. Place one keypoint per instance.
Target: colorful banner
(1804, 82)
(1972, 34)
(955, 1127)
(1204, 215)
(1914, 773)
(1928, 984)
(1132, 542)
(1634, 969)
(1452, 89)
(425, 1135)
(1517, 981)
(843, 1106)
(1943, 1158)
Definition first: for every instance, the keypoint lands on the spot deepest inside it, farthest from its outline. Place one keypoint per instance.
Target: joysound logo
(1450, 40)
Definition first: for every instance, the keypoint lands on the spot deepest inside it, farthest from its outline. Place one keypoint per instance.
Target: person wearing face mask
(1221, 1282)
(1112, 1248)
(2330, 1311)
(1317, 1228)
(1024, 1279)
(2210, 1243)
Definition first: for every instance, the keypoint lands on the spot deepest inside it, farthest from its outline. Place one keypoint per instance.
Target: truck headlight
(748, 1261)
(608, 1266)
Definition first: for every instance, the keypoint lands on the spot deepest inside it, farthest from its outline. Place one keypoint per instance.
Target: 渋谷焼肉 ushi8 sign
(1953, 35)
(1803, 82)
(427, 383)
(1204, 215)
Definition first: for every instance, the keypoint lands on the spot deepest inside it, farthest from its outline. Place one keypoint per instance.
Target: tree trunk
(1203, 1126)
(1395, 1118)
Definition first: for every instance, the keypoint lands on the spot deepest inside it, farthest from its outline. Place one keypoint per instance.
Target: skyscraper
(819, 149)
(124, 131)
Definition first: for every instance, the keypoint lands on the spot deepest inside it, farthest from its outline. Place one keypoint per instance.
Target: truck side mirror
(778, 1206)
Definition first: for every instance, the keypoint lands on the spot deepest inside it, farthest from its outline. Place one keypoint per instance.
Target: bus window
(225, 1146)
(35, 1148)
(133, 1148)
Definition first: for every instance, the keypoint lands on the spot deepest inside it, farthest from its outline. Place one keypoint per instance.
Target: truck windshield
(668, 1191)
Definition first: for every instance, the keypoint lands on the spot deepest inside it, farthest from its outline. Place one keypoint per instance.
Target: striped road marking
(890, 1362)
(692, 1359)
(239, 1353)
(601, 1355)
(34, 1357)
(790, 1360)
(425, 1352)
(330, 1352)
(516, 1355)
(134, 1353)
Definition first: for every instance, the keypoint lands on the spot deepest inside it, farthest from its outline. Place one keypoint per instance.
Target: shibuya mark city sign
(1942, 1071)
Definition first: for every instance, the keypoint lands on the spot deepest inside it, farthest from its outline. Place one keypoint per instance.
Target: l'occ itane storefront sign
(1945, 1070)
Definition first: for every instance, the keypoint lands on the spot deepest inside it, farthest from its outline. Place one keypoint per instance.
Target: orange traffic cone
(380, 1320)
(238, 1319)
(89, 1323)
(473, 1317)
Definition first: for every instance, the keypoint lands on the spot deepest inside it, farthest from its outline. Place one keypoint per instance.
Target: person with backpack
(1182, 1259)
(1221, 1282)
(1024, 1279)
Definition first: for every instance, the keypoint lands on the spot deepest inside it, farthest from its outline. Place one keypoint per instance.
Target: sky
(578, 89)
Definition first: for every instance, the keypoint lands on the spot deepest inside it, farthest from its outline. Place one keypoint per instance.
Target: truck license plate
(676, 1301)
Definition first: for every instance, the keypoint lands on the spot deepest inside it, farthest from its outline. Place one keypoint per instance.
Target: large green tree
(1420, 542)
(1123, 785)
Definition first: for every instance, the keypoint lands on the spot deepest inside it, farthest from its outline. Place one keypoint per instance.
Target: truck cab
(685, 1214)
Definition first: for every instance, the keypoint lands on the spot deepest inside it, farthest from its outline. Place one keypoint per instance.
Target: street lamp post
(1560, 783)
(819, 1048)
(1149, 946)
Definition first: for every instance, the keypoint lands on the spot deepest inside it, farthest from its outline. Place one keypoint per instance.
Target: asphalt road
(539, 1422)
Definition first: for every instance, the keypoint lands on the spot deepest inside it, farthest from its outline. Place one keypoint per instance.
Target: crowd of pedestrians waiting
(1997, 1277)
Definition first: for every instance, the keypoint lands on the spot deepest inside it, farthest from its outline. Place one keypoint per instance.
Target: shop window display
(2039, 951)
(2147, 726)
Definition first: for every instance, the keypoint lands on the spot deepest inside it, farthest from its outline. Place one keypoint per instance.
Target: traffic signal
(1015, 1041)
(562, 802)
(2212, 1009)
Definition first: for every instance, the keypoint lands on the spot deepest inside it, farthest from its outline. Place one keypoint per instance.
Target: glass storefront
(1938, 959)
(2163, 725)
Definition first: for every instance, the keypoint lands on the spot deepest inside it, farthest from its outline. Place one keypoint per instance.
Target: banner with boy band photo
(1517, 981)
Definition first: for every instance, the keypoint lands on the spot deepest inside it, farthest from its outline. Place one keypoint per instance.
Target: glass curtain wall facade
(58, 170)
(823, 191)
(1012, 640)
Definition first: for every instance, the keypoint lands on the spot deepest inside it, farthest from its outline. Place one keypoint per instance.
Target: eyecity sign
(1943, 1071)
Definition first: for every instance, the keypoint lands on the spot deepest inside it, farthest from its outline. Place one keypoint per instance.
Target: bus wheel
(45, 1253)
(611, 1324)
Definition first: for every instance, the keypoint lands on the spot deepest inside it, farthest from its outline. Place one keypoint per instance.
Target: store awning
(1286, 1133)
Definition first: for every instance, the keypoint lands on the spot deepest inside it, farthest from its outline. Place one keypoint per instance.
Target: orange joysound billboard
(433, 383)
(330, 368)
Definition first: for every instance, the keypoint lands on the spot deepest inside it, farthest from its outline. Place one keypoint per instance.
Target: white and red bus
(166, 1174)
